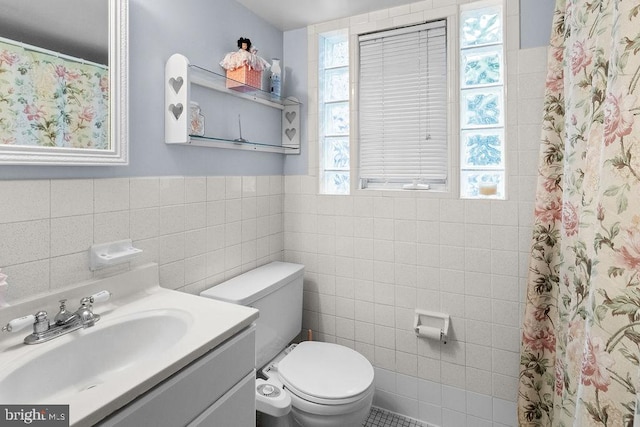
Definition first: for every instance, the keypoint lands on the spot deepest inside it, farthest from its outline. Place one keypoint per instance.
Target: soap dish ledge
(112, 253)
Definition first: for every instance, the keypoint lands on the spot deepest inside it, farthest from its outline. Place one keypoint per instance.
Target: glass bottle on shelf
(196, 120)
(276, 78)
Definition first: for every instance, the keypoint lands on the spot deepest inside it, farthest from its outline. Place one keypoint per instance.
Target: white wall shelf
(180, 75)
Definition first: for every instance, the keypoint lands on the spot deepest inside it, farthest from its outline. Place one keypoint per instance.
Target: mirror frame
(118, 110)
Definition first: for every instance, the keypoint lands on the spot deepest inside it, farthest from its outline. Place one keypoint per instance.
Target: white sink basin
(146, 334)
(84, 361)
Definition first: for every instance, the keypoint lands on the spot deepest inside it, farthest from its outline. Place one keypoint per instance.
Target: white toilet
(311, 384)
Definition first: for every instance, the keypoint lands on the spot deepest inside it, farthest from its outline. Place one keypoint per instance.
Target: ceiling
(293, 14)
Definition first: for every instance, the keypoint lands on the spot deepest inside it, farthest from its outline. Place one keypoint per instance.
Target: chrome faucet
(63, 317)
(64, 322)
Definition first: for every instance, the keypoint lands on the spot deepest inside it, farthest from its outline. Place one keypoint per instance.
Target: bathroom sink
(145, 335)
(85, 361)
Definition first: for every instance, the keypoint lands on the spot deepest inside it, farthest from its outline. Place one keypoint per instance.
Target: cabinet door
(185, 395)
(237, 408)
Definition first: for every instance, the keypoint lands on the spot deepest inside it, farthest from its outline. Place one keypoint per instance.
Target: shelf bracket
(176, 99)
(291, 124)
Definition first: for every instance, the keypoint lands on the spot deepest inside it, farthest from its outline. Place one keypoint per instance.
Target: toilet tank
(276, 290)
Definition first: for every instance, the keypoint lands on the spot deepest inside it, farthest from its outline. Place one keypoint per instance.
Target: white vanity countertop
(134, 295)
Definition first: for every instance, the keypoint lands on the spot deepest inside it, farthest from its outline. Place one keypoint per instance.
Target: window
(482, 136)
(403, 105)
(430, 105)
(333, 90)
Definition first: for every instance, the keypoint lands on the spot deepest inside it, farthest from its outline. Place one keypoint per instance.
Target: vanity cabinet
(181, 75)
(218, 389)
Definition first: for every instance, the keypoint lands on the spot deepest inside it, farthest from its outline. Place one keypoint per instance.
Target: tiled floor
(382, 418)
(379, 418)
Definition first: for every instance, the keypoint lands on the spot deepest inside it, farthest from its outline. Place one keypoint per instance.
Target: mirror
(63, 82)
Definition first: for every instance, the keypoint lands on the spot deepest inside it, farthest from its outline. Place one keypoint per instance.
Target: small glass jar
(196, 120)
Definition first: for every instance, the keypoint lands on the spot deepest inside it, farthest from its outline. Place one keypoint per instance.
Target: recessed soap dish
(112, 253)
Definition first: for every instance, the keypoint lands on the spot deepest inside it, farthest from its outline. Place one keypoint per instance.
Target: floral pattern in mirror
(48, 101)
(580, 350)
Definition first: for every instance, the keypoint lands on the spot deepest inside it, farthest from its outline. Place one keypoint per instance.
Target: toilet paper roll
(428, 332)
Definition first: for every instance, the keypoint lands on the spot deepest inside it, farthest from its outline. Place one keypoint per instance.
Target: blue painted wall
(203, 31)
(536, 17)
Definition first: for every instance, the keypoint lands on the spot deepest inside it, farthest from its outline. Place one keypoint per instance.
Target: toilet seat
(326, 374)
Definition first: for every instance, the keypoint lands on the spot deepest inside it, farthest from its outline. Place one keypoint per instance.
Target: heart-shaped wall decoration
(290, 133)
(176, 110)
(291, 116)
(176, 84)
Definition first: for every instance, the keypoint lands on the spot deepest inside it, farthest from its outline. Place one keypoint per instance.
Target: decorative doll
(245, 55)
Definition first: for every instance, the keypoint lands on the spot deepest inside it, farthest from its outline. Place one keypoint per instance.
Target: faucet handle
(85, 312)
(101, 296)
(19, 323)
(42, 322)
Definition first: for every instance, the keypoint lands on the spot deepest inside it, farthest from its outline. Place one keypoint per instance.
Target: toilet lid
(318, 370)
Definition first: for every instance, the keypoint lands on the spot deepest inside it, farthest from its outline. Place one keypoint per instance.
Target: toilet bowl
(310, 384)
(328, 384)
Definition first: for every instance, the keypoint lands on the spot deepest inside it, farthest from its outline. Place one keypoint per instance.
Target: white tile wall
(200, 230)
(394, 252)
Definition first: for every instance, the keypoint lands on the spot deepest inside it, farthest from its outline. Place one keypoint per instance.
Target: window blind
(403, 106)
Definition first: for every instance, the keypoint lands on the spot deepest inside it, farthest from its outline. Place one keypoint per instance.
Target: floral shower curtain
(581, 334)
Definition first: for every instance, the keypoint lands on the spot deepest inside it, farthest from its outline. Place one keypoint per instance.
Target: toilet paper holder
(431, 324)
